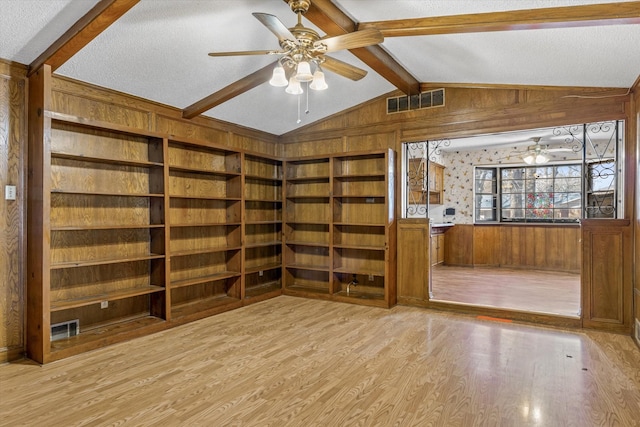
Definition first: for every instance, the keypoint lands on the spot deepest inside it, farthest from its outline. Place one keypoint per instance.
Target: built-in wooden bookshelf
(97, 239)
(205, 210)
(307, 257)
(339, 228)
(131, 232)
(262, 227)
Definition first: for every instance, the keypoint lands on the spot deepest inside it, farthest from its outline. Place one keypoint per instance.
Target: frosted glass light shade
(318, 82)
(541, 158)
(294, 87)
(303, 73)
(535, 159)
(278, 79)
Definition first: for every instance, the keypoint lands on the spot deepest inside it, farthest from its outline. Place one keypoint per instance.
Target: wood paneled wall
(413, 261)
(95, 103)
(606, 298)
(540, 247)
(467, 112)
(13, 136)
(478, 111)
(636, 132)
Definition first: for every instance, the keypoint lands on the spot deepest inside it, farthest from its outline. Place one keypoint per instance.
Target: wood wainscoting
(553, 247)
(599, 252)
(607, 275)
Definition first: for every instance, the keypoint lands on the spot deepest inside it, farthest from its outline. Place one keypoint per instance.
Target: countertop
(442, 224)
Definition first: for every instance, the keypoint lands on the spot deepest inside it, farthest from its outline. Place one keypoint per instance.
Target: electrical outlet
(260, 273)
(104, 304)
(9, 192)
(371, 277)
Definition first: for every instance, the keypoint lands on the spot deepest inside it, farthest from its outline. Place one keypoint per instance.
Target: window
(601, 189)
(486, 194)
(541, 194)
(586, 188)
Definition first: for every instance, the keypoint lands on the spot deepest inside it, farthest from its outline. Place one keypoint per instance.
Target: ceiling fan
(537, 154)
(301, 46)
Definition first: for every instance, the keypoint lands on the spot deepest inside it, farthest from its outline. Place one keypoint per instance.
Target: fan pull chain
(307, 110)
(299, 120)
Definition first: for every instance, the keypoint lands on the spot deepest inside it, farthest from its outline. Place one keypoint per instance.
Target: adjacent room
(319, 212)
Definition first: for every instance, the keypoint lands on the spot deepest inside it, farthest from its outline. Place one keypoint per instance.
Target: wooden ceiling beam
(87, 28)
(234, 89)
(329, 18)
(528, 19)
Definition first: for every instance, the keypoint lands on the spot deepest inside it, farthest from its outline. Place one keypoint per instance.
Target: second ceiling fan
(300, 47)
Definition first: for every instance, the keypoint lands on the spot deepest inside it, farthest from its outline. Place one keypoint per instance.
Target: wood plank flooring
(296, 362)
(536, 291)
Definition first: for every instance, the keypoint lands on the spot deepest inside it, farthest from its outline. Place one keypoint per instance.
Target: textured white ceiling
(158, 51)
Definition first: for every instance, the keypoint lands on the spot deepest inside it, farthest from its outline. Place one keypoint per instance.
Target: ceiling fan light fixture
(541, 158)
(278, 79)
(535, 158)
(303, 73)
(294, 87)
(318, 82)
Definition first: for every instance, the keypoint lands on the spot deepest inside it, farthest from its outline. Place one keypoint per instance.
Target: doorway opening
(505, 209)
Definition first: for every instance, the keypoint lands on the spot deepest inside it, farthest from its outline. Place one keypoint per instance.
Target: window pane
(542, 184)
(484, 201)
(512, 173)
(568, 184)
(512, 186)
(569, 171)
(512, 214)
(486, 187)
(486, 215)
(513, 201)
(485, 181)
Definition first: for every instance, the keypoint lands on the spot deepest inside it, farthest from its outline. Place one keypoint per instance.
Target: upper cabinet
(436, 183)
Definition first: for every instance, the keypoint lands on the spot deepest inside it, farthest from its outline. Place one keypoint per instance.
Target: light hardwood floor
(298, 362)
(536, 291)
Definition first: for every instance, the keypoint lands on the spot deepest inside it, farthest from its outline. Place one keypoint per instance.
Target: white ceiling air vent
(430, 99)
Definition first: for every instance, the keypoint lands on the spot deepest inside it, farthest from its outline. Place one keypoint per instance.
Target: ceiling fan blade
(275, 26)
(246, 52)
(353, 40)
(346, 70)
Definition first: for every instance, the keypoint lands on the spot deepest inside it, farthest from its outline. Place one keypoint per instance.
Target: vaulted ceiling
(158, 49)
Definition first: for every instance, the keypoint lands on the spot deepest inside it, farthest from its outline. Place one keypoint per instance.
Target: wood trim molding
(528, 19)
(635, 87)
(87, 28)
(603, 91)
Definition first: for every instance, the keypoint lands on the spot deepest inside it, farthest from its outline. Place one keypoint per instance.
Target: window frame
(499, 194)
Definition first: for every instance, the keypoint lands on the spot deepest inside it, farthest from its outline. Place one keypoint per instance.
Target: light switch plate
(9, 192)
